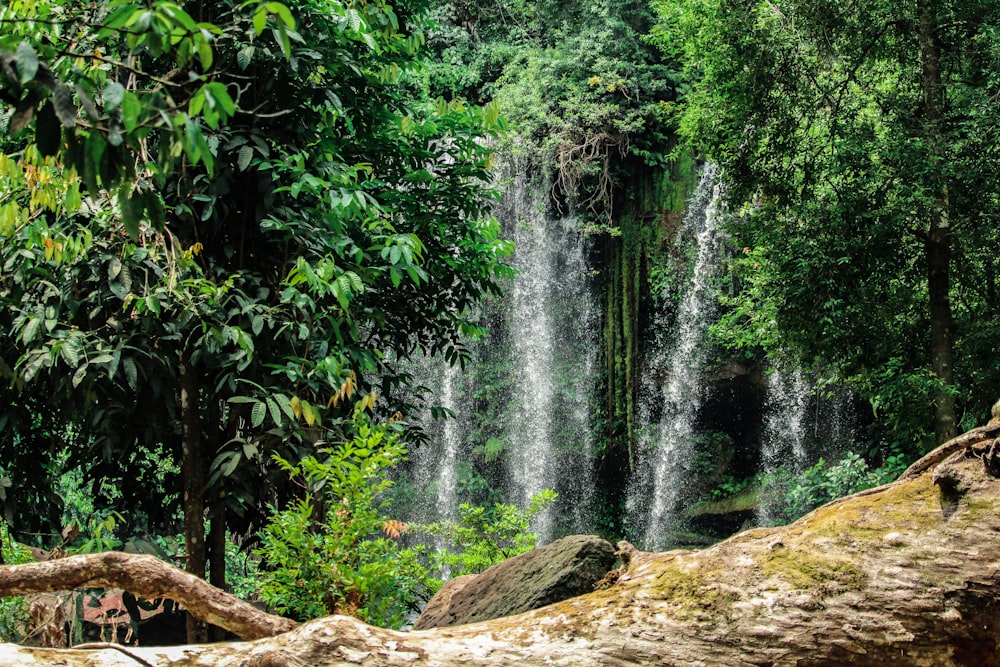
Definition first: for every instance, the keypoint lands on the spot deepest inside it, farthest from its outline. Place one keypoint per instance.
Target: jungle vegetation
(222, 224)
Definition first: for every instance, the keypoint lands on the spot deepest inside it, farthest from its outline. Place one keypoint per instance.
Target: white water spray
(653, 505)
(435, 462)
(553, 342)
(447, 477)
(785, 433)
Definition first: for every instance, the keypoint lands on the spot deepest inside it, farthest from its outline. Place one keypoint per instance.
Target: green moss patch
(803, 570)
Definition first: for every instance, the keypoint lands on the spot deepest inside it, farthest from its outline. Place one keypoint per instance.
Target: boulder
(558, 571)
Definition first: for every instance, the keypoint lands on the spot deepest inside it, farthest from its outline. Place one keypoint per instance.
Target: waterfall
(785, 434)
(670, 442)
(447, 478)
(785, 421)
(435, 463)
(522, 408)
(552, 333)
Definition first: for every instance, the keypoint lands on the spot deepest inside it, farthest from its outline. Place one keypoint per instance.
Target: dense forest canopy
(220, 221)
(223, 225)
(861, 140)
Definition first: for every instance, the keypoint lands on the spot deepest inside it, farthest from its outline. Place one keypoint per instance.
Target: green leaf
(114, 94)
(260, 20)
(231, 465)
(244, 157)
(62, 99)
(131, 109)
(197, 102)
(245, 56)
(132, 209)
(204, 53)
(71, 351)
(114, 267)
(79, 375)
(281, 37)
(286, 405)
(131, 373)
(30, 330)
(220, 95)
(27, 63)
(281, 11)
(257, 414)
(272, 407)
(353, 19)
(153, 206)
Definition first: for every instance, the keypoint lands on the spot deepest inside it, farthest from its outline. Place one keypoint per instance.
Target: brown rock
(435, 614)
(566, 568)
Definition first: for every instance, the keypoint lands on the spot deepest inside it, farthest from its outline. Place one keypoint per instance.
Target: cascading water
(528, 392)
(435, 464)
(552, 340)
(447, 479)
(670, 443)
(785, 422)
(784, 440)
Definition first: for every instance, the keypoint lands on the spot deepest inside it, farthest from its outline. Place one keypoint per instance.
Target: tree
(853, 138)
(900, 575)
(220, 223)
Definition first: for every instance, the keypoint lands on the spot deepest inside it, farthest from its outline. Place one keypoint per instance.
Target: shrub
(333, 551)
(483, 537)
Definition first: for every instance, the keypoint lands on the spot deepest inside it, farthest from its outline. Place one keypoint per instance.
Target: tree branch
(148, 577)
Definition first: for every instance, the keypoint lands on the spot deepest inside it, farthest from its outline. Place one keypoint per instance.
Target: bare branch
(148, 577)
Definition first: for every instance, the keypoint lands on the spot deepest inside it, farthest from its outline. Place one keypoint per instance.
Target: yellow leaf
(308, 413)
(393, 528)
(296, 407)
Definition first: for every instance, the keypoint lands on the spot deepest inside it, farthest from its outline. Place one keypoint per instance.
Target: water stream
(551, 327)
(532, 380)
(435, 463)
(785, 435)
(666, 456)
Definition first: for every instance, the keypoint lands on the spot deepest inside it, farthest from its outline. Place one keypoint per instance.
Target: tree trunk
(218, 531)
(217, 559)
(903, 575)
(193, 473)
(147, 577)
(938, 245)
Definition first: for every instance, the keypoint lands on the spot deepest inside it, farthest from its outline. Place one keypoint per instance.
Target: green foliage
(730, 486)
(483, 537)
(242, 572)
(579, 84)
(278, 239)
(333, 550)
(818, 118)
(791, 495)
(13, 609)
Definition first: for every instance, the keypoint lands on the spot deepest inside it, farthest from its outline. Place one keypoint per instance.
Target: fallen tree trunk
(147, 577)
(906, 575)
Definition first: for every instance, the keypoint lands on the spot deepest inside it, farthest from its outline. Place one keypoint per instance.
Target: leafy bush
(13, 610)
(821, 483)
(333, 551)
(484, 537)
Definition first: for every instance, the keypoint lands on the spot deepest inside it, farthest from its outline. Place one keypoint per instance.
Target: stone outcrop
(561, 570)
